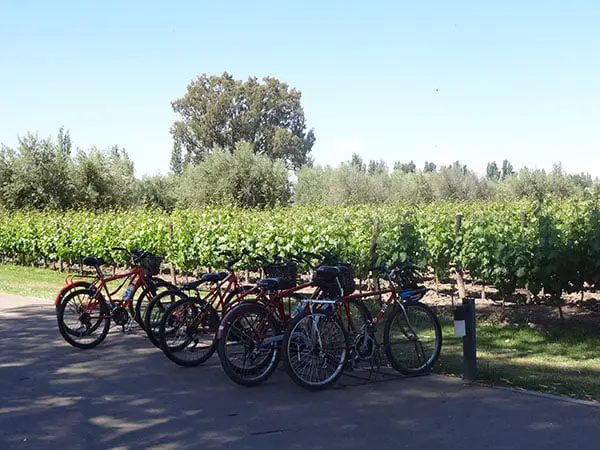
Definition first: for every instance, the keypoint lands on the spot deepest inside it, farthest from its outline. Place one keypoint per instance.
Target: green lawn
(562, 361)
(30, 281)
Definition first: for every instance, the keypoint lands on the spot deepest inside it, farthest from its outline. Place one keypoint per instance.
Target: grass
(30, 281)
(563, 361)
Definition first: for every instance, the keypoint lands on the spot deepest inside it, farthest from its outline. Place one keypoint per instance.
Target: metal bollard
(464, 325)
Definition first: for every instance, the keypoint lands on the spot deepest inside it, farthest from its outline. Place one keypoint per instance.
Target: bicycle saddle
(214, 277)
(191, 285)
(93, 261)
(274, 284)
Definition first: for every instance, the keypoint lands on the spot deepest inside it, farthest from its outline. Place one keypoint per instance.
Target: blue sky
(394, 80)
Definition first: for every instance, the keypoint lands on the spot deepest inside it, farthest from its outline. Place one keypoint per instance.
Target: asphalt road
(125, 394)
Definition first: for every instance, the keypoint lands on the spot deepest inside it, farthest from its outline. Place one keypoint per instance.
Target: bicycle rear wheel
(315, 349)
(187, 332)
(248, 344)
(412, 338)
(83, 318)
(67, 289)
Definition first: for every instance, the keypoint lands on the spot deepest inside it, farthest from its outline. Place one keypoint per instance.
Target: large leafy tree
(219, 112)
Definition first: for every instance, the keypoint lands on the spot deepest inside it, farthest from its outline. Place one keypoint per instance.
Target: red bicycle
(250, 334)
(317, 346)
(188, 327)
(85, 312)
(220, 296)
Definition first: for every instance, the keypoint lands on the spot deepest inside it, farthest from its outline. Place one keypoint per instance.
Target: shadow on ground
(126, 394)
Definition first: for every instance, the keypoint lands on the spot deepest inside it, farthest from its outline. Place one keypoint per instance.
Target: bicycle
(250, 334)
(317, 347)
(226, 287)
(85, 312)
(188, 328)
(78, 281)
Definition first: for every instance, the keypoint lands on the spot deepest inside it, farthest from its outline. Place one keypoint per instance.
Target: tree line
(247, 144)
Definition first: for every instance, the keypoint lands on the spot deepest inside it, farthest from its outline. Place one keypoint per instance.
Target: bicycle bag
(287, 272)
(335, 280)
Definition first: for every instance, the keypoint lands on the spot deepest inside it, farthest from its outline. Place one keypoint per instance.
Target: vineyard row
(554, 245)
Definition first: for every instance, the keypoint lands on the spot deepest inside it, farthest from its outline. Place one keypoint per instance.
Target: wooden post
(373, 252)
(527, 291)
(460, 281)
(171, 265)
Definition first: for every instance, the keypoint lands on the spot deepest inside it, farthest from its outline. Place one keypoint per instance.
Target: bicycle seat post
(99, 272)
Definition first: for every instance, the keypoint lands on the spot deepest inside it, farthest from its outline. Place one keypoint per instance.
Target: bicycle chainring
(364, 346)
(120, 315)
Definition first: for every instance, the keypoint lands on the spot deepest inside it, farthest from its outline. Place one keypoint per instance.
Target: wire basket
(151, 264)
(331, 284)
(288, 271)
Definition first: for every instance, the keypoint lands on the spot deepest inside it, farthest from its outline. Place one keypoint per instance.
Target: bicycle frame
(135, 276)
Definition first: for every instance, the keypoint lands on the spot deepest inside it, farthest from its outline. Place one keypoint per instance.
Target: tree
(357, 163)
(429, 167)
(177, 164)
(405, 167)
(36, 175)
(492, 171)
(156, 191)
(219, 112)
(240, 177)
(377, 167)
(64, 141)
(507, 169)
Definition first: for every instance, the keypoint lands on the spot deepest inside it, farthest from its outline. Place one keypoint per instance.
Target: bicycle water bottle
(297, 310)
(128, 292)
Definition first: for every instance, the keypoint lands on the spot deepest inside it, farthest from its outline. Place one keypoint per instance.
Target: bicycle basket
(328, 280)
(151, 264)
(288, 271)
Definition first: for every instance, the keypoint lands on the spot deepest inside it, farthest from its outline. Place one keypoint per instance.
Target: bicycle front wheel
(153, 287)
(315, 349)
(187, 332)
(249, 344)
(156, 310)
(412, 338)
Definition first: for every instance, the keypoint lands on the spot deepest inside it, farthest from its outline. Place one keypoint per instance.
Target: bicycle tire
(309, 333)
(191, 315)
(69, 333)
(67, 289)
(156, 310)
(418, 314)
(230, 332)
(154, 287)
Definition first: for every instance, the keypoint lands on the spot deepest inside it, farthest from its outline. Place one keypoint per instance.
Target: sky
(444, 80)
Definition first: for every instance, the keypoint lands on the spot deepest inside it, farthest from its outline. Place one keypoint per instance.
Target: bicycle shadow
(126, 394)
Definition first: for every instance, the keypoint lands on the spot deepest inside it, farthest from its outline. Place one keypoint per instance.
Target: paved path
(125, 394)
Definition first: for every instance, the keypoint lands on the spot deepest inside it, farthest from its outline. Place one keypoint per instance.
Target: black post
(469, 340)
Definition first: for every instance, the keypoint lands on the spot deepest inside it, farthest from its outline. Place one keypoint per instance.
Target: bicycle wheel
(67, 289)
(315, 349)
(248, 344)
(187, 332)
(355, 317)
(156, 310)
(412, 338)
(152, 289)
(83, 318)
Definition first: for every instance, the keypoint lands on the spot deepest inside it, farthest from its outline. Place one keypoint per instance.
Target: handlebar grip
(121, 249)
